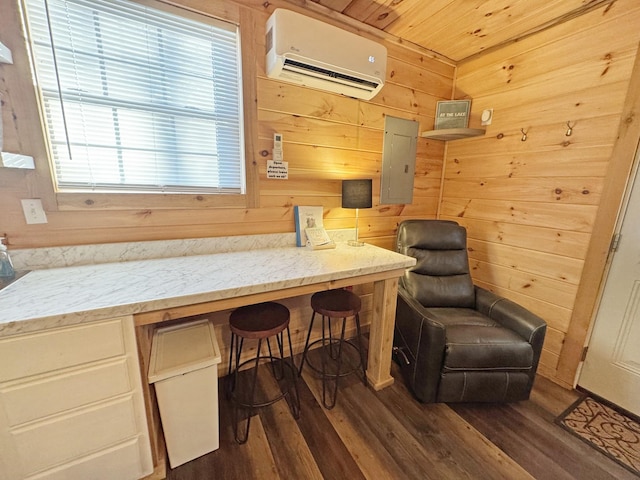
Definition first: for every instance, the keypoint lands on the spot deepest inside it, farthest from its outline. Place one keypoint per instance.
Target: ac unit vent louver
(299, 67)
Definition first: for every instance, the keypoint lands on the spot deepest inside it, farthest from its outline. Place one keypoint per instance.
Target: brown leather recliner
(455, 341)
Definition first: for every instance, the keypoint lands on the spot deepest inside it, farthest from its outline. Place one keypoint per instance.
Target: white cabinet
(71, 404)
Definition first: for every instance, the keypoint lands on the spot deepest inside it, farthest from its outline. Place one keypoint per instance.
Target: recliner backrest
(441, 275)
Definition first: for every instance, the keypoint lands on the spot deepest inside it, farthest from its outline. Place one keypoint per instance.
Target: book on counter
(318, 238)
(306, 217)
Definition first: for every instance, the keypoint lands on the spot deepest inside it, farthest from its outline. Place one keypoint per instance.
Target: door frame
(595, 265)
(633, 182)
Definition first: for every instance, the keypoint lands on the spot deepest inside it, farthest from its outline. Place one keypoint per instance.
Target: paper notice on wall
(279, 170)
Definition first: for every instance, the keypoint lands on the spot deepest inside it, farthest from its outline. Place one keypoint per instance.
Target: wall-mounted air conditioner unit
(308, 52)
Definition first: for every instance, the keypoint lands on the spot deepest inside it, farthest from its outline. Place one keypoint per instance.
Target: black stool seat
(334, 304)
(260, 322)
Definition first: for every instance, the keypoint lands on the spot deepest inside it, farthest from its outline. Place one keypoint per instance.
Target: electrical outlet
(33, 211)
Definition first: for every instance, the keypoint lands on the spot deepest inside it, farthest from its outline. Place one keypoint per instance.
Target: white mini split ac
(308, 52)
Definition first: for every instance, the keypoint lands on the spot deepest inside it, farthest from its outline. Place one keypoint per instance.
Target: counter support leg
(381, 333)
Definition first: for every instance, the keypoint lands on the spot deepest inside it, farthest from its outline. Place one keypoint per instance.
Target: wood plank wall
(530, 206)
(327, 138)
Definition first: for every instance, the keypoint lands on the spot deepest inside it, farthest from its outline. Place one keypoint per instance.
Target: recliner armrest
(511, 315)
(425, 337)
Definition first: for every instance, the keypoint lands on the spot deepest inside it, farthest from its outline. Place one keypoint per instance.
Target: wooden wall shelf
(453, 133)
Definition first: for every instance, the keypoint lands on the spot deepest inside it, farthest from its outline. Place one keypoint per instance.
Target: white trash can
(184, 369)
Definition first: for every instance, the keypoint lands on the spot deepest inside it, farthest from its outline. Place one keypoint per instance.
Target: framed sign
(452, 114)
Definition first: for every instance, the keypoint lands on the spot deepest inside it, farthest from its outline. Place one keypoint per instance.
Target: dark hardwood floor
(389, 435)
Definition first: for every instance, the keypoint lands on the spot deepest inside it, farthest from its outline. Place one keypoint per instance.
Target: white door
(612, 366)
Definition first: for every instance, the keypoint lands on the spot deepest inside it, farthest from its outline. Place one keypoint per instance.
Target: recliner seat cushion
(476, 348)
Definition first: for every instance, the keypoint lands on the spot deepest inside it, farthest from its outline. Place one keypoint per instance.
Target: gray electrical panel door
(398, 160)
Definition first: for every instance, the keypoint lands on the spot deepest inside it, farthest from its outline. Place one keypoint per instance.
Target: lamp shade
(357, 193)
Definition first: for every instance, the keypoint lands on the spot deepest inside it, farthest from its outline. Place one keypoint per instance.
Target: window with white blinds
(138, 99)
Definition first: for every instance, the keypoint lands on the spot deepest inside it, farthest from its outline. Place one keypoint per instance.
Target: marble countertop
(70, 295)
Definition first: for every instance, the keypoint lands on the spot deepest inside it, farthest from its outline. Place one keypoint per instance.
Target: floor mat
(606, 428)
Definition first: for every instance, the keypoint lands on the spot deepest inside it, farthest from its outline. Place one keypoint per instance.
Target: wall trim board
(248, 24)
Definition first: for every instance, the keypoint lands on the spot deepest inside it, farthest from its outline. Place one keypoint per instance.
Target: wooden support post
(381, 333)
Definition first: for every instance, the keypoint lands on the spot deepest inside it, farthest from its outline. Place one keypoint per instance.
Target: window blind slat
(137, 98)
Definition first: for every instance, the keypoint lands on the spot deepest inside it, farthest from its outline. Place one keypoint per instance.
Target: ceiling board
(459, 29)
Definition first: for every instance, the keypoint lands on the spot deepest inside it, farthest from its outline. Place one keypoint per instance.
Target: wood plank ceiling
(459, 29)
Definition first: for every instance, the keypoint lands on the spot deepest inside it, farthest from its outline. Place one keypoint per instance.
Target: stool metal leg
(331, 354)
(230, 383)
(236, 409)
(295, 402)
(325, 376)
(236, 342)
(277, 376)
(280, 341)
(306, 344)
(323, 361)
(233, 337)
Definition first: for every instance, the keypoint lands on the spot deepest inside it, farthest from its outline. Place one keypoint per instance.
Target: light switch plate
(33, 211)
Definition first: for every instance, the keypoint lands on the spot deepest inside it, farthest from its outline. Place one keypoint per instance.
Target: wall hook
(524, 135)
(569, 129)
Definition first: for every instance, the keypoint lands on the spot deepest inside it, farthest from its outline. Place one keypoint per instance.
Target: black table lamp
(356, 194)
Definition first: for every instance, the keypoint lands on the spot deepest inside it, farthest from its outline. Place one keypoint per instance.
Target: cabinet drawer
(44, 396)
(124, 462)
(33, 354)
(64, 439)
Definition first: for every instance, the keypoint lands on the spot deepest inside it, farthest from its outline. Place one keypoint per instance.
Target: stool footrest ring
(345, 373)
(236, 396)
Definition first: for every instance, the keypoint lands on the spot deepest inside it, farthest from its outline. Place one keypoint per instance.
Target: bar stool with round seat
(334, 304)
(260, 322)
